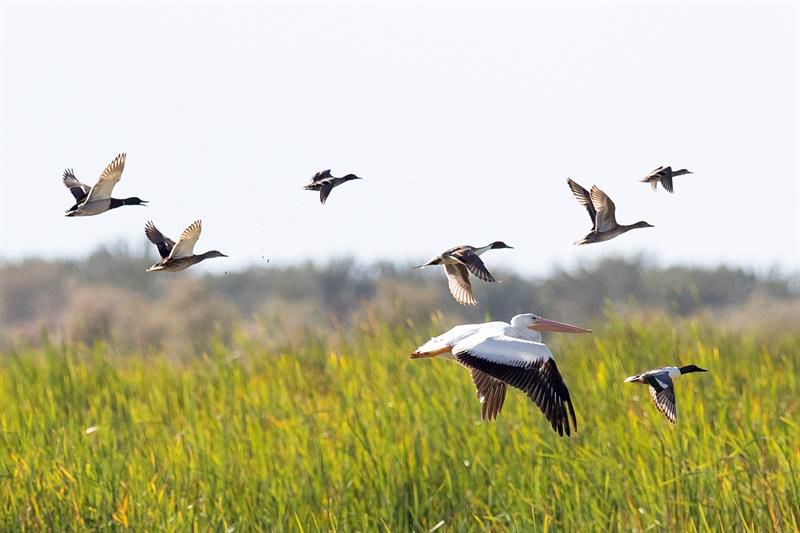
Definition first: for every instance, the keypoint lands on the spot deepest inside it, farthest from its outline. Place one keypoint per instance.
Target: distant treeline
(108, 295)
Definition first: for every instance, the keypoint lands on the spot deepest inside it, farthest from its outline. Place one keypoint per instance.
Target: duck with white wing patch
(662, 390)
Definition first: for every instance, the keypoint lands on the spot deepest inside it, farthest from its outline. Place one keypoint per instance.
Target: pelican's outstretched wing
(491, 393)
(525, 365)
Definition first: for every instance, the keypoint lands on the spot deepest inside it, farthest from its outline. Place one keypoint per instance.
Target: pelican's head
(499, 244)
(537, 323)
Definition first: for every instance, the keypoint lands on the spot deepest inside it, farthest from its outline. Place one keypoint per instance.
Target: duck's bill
(543, 324)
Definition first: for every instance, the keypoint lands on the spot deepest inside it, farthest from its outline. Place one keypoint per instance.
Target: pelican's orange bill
(543, 324)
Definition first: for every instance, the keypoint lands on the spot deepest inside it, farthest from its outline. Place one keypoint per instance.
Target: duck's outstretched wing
(474, 264)
(322, 175)
(325, 191)
(605, 208)
(662, 392)
(185, 245)
(108, 179)
(458, 282)
(584, 198)
(164, 244)
(666, 179)
(79, 190)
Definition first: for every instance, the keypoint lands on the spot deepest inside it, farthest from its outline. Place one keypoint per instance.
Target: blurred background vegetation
(109, 296)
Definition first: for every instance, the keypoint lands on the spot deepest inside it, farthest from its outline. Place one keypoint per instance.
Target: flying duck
(602, 212)
(458, 262)
(95, 200)
(324, 182)
(664, 175)
(662, 391)
(180, 256)
(499, 354)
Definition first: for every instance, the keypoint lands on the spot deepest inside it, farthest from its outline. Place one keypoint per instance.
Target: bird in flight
(602, 211)
(180, 256)
(500, 354)
(95, 200)
(458, 263)
(662, 390)
(664, 176)
(324, 182)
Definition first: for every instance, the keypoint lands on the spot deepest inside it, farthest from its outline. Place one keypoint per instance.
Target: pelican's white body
(509, 344)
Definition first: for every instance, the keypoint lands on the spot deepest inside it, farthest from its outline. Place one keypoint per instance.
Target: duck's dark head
(349, 177)
(134, 200)
(681, 172)
(642, 224)
(691, 368)
(213, 253)
(496, 245)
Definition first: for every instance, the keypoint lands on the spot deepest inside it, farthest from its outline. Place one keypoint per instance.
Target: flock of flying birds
(498, 354)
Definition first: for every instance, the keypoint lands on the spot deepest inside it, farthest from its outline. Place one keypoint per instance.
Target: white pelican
(500, 354)
(95, 200)
(662, 390)
(458, 262)
(180, 256)
(324, 182)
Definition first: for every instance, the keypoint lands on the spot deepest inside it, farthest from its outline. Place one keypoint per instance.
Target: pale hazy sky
(464, 119)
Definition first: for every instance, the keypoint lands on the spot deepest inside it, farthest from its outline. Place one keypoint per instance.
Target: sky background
(464, 120)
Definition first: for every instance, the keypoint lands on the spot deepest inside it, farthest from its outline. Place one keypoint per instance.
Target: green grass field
(353, 435)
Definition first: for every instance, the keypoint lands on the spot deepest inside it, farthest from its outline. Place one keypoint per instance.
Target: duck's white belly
(93, 208)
